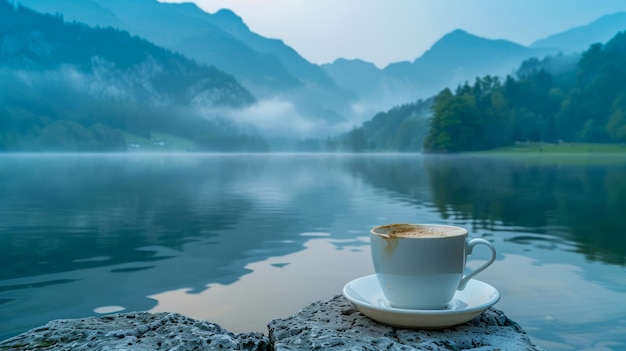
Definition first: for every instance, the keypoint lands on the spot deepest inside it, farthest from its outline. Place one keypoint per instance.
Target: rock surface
(331, 325)
(338, 325)
(135, 331)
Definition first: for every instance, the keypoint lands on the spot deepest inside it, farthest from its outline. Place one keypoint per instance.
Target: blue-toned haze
(384, 32)
(285, 56)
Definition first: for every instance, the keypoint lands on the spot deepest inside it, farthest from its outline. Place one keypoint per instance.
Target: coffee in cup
(421, 266)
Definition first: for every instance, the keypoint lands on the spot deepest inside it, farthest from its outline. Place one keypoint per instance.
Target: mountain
(567, 97)
(460, 56)
(360, 75)
(295, 97)
(67, 84)
(270, 69)
(178, 27)
(455, 58)
(580, 38)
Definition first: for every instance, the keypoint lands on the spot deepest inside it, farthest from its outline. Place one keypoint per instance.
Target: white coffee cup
(421, 266)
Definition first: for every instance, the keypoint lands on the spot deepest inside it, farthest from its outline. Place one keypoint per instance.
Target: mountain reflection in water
(242, 239)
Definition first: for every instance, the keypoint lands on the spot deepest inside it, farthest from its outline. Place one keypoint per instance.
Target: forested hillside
(550, 101)
(561, 98)
(69, 87)
(267, 67)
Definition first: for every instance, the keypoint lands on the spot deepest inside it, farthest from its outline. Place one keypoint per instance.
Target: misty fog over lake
(217, 236)
(155, 156)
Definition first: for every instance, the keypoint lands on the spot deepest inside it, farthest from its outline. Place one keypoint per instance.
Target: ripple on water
(315, 234)
(108, 309)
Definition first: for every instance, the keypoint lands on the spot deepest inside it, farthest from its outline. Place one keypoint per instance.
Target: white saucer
(366, 295)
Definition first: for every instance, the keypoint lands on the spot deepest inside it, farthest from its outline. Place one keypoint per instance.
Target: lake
(242, 239)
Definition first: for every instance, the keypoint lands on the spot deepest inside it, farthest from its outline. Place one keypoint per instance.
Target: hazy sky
(385, 31)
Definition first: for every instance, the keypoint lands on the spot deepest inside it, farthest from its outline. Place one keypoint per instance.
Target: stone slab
(330, 325)
(135, 331)
(338, 325)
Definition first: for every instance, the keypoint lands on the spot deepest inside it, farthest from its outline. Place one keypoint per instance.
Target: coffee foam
(423, 231)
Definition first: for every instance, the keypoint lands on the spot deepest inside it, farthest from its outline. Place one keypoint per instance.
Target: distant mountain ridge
(267, 67)
(172, 26)
(460, 56)
(34, 42)
(580, 38)
(469, 55)
(66, 84)
(324, 98)
(455, 58)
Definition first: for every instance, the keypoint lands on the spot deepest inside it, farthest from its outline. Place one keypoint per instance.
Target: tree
(498, 123)
(455, 125)
(616, 127)
(410, 136)
(590, 112)
(356, 140)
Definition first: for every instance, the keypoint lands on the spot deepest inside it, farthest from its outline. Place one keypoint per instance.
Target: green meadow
(562, 148)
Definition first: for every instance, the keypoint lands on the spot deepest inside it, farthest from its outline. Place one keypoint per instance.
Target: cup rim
(376, 230)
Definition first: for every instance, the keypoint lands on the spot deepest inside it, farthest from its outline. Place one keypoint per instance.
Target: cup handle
(469, 248)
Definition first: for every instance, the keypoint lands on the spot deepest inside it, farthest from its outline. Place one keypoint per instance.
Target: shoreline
(334, 324)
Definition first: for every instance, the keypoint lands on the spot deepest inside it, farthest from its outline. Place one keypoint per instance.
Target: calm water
(242, 239)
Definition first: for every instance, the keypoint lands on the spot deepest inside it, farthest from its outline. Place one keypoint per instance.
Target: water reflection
(242, 239)
(177, 221)
(588, 200)
(573, 198)
(276, 287)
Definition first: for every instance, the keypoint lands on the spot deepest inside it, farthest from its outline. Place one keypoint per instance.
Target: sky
(387, 31)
